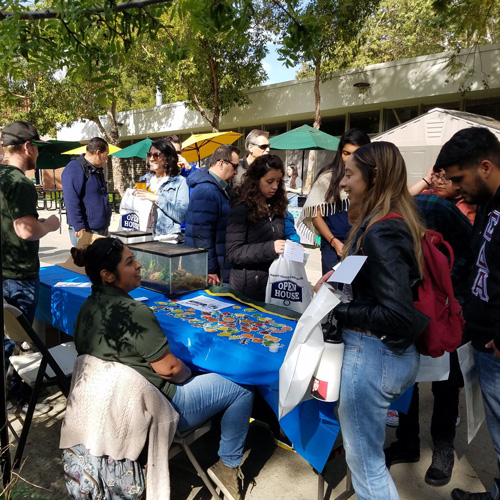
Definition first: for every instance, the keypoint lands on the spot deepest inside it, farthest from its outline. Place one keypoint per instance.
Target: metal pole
(5, 461)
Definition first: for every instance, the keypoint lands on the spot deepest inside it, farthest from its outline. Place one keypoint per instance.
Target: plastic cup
(140, 185)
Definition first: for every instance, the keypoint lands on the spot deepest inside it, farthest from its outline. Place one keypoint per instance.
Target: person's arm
(326, 234)
(73, 180)
(294, 190)
(171, 368)
(30, 228)
(422, 184)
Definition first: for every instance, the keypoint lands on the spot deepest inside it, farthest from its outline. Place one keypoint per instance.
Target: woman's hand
(338, 246)
(279, 246)
(145, 195)
(322, 280)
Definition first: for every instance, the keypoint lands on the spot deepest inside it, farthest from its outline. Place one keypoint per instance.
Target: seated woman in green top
(112, 326)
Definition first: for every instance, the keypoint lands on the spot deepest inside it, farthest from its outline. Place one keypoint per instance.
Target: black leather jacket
(383, 291)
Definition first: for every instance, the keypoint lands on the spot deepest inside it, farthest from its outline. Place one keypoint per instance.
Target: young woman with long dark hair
(256, 226)
(325, 211)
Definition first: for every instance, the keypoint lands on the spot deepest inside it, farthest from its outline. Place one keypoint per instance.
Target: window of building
(485, 107)
(275, 129)
(369, 122)
(334, 125)
(396, 116)
(443, 105)
(300, 123)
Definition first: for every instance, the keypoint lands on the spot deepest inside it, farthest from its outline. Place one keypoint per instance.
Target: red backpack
(436, 298)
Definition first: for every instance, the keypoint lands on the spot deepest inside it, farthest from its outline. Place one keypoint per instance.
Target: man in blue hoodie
(86, 192)
(209, 208)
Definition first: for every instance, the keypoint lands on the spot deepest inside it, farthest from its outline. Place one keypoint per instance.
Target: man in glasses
(186, 167)
(86, 192)
(209, 209)
(256, 144)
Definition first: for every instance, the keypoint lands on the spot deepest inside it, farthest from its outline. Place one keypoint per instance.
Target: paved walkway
(271, 473)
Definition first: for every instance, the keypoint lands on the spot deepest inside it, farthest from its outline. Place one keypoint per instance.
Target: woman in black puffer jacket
(256, 226)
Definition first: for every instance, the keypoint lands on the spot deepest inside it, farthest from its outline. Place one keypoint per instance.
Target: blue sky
(276, 70)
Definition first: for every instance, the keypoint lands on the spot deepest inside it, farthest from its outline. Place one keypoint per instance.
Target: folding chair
(181, 442)
(349, 490)
(45, 368)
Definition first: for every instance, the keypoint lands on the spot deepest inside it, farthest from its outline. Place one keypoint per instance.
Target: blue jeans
(22, 294)
(372, 377)
(202, 397)
(488, 370)
(73, 238)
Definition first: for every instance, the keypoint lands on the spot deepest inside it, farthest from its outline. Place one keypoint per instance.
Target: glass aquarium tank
(171, 269)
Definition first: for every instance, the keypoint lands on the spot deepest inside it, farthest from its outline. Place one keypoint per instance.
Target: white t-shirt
(156, 182)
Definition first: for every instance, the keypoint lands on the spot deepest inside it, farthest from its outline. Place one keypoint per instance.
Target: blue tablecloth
(240, 351)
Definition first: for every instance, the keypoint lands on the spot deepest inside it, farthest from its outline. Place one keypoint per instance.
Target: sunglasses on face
(155, 156)
(263, 146)
(234, 165)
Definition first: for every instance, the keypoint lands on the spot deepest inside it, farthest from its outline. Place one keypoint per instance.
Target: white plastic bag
(473, 394)
(287, 285)
(134, 212)
(305, 350)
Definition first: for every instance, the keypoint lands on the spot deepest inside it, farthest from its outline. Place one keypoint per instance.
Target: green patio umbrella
(139, 149)
(51, 157)
(305, 138)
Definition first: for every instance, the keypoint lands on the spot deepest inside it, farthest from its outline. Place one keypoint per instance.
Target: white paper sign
(472, 389)
(434, 369)
(202, 303)
(293, 251)
(72, 284)
(348, 269)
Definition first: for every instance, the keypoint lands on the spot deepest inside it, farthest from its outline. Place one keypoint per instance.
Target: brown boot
(229, 480)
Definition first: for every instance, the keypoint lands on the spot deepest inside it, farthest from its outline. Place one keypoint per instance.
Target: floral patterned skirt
(102, 478)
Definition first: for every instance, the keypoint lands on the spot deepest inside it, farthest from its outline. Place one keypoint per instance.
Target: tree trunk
(317, 122)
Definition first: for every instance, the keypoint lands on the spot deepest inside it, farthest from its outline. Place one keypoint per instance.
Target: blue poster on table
(247, 344)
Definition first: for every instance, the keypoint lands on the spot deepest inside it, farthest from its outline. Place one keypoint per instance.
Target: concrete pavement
(271, 473)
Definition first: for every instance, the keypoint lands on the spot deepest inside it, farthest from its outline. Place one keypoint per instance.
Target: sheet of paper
(202, 303)
(472, 389)
(348, 269)
(432, 369)
(293, 251)
(141, 299)
(72, 284)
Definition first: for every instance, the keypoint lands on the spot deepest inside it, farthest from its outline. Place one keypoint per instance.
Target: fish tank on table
(171, 269)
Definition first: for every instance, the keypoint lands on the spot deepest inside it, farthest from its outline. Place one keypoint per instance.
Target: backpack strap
(81, 160)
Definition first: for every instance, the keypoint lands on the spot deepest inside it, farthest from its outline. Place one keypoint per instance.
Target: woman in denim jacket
(380, 323)
(165, 188)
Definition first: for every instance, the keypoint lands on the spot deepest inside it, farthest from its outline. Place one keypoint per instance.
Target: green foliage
(207, 55)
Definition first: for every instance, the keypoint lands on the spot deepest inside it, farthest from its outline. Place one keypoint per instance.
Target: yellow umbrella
(83, 149)
(200, 146)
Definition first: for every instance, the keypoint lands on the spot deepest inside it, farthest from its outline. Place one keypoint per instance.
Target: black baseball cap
(19, 132)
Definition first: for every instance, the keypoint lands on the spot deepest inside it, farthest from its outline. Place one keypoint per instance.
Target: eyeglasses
(234, 165)
(117, 244)
(440, 178)
(262, 146)
(155, 155)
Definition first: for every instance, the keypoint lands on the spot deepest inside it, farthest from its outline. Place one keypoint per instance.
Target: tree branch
(52, 14)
